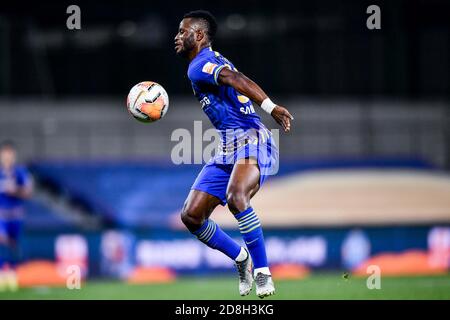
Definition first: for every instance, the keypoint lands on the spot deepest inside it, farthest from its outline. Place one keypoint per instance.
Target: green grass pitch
(316, 286)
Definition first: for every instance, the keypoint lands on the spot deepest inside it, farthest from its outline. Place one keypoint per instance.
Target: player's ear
(199, 35)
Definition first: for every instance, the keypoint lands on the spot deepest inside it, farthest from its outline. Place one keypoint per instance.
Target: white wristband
(267, 105)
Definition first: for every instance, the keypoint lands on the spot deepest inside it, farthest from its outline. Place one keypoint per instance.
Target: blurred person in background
(15, 187)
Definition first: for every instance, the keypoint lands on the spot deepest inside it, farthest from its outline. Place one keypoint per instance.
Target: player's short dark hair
(211, 23)
(7, 144)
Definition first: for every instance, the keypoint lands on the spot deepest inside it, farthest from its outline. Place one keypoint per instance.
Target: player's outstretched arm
(250, 89)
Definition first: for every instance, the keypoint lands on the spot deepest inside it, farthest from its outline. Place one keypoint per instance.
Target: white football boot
(245, 275)
(264, 285)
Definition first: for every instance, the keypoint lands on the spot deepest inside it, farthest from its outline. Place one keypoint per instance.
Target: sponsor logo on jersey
(209, 67)
(247, 110)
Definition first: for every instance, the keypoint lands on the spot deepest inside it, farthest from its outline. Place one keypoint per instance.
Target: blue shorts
(213, 178)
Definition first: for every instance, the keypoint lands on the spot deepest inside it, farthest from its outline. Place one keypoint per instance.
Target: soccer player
(15, 187)
(247, 153)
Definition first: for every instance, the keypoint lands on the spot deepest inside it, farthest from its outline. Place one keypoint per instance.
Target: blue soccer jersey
(233, 115)
(228, 110)
(18, 176)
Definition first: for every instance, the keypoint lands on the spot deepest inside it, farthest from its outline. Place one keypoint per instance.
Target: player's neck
(197, 50)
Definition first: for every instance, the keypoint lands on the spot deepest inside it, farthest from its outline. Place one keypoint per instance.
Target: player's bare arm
(250, 89)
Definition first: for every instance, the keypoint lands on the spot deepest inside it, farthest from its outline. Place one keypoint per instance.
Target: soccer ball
(147, 101)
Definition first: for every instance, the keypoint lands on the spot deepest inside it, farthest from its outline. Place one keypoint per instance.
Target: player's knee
(237, 200)
(191, 220)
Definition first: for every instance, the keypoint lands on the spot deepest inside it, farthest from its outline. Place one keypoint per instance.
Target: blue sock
(251, 231)
(214, 237)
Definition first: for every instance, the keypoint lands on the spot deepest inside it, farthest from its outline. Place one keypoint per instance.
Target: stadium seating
(128, 194)
(145, 194)
(39, 216)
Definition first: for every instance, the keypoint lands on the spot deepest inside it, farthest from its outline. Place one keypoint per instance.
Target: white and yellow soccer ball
(148, 101)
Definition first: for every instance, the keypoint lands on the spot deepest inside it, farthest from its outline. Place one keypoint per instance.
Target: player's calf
(208, 232)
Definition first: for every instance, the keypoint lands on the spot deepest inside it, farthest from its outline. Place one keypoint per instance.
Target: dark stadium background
(318, 48)
(364, 172)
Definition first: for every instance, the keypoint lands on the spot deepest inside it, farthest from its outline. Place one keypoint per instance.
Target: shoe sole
(246, 293)
(267, 294)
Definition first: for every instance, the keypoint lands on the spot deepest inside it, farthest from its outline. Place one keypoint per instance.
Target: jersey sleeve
(23, 177)
(206, 71)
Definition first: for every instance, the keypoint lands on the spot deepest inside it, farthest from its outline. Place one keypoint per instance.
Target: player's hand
(282, 117)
